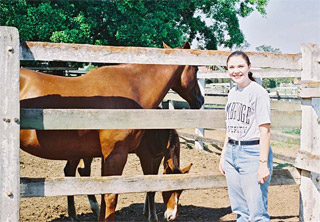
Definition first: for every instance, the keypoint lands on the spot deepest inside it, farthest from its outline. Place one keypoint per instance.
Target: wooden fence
(308, 159)
(10, 185)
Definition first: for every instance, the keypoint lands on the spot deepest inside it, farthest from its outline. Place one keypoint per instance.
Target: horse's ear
(186, 169)
(186, 45)
(166, 46)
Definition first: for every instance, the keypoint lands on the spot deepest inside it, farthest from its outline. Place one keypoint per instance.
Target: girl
(246, 158)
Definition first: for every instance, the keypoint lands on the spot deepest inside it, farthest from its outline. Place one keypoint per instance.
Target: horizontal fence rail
(40, 187)
(260, 73)
(221, 99)
(45, 51)
(202, 74)
(307, 161)
(55, 119)
(309, 89)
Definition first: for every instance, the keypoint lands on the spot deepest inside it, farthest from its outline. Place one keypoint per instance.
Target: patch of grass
(293, 131)
(281, 145)
(279, 166)
(214, 106)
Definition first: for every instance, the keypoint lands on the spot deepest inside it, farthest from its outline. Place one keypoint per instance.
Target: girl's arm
(263, 170)
(221, 168)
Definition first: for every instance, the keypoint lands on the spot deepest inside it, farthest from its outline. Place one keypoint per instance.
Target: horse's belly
(61, 144)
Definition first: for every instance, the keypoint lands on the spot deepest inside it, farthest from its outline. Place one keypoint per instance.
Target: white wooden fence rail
(260, 73)
(41, 187)
(45, 51)
(9, 59)
(139, 119)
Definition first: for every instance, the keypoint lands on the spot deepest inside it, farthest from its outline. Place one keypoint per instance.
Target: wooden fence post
(9, 126)
(310, 137)
(198, 144)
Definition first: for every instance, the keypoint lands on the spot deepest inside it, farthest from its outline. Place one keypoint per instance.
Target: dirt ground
(195, 205)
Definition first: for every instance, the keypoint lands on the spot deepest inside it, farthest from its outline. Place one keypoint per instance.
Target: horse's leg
(70, 171)
(146, 164)
(150, 166)
(85, 171)
(112, 165)
(150, 195)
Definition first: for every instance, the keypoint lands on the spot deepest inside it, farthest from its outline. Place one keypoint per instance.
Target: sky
(288, 23)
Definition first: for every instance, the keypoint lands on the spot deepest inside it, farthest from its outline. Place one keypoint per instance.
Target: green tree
(131, 22)
(267, 48)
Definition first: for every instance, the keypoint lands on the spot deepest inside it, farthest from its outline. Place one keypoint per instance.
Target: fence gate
(308, 158)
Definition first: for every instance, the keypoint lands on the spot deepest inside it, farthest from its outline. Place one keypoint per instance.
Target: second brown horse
(155, 145)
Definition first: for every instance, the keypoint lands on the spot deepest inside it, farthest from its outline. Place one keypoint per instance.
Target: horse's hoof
(95, 209)
(154, 219)
(74, 218)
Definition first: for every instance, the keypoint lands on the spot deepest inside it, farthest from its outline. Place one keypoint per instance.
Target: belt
(238, 142)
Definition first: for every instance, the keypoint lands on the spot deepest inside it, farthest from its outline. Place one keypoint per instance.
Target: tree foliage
(131, 22)
(267, 48)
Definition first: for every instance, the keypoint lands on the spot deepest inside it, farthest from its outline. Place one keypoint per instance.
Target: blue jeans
(248, 198)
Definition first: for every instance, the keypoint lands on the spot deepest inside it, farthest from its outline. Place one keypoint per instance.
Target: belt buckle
(239, 142)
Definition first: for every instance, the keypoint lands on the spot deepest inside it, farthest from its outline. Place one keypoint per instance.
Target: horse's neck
(145, 84)
(158, 81)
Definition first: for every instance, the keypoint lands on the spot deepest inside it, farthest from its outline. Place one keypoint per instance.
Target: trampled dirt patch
(195, 205)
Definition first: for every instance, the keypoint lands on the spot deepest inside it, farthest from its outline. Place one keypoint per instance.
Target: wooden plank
(285, 119)
(309, 196)
(222, 100)
(139, 119)
(45, 51)
(310, 136)
(9, 129)
(120, 119)
(41, 187)
(117, 184)
(52, 68)
(211, 74)
(284, 137)
(257, 73)
(198, 144)
(309, 89)
(308, 161)
(285, 105)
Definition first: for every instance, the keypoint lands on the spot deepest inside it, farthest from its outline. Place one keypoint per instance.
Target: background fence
(10, 53)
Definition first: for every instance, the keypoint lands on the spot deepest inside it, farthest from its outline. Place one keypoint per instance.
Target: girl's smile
(238, 71)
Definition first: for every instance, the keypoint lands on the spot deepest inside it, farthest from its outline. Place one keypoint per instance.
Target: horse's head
(187, 85)
(171, 198)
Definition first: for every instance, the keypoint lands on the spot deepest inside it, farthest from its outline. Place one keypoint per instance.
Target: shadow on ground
(133, 213)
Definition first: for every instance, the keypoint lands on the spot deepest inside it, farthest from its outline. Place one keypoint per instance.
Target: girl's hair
(245, 57)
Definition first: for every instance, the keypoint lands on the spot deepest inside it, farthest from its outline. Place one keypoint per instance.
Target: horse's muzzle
(196, 104)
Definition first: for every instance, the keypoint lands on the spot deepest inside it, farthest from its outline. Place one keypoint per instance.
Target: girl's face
(238, 71)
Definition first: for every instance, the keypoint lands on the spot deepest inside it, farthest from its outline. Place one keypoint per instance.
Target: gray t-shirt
(246, 110)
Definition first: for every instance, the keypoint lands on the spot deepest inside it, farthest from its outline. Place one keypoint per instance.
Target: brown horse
(126, 86)
(154, 145)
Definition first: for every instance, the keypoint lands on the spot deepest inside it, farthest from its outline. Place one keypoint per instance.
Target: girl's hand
(263, 172)
(221, 168)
